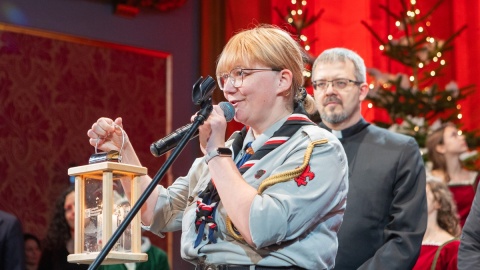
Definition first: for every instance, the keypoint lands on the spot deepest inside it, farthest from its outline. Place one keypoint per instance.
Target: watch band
(221, 151)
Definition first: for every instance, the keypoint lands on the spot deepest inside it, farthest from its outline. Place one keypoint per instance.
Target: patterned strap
(290, 127)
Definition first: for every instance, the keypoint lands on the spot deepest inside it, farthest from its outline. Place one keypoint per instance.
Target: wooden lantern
(100, 207)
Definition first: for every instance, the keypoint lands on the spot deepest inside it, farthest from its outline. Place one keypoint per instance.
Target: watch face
(224, 151)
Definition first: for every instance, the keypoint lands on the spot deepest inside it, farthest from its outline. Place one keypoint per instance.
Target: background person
(444, 147)
(469, 250)
(12, 252)
(439, 245)
(386, 213)
(33, 251)
(59, 241)
(284, 204)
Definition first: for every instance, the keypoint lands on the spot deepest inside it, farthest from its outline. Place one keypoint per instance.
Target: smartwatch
(221, 151)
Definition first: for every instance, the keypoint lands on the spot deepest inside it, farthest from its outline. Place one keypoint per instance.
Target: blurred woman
(59, 241)
(440, 245)
(445, 146)
(32, 251)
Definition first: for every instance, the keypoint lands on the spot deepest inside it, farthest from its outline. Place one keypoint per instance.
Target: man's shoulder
(390, 136)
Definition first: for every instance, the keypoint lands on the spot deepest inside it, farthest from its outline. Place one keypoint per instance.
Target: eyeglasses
(339, 84)
(236, 76)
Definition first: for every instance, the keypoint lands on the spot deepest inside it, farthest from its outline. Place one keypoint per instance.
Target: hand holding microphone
(170, 141)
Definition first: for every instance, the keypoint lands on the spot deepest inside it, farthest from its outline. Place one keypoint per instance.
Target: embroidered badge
(302, 178)
(259, 174)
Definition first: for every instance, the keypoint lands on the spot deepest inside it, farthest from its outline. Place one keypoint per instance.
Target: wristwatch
(221, 151)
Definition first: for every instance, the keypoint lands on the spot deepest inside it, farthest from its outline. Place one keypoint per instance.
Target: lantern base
(112, 257)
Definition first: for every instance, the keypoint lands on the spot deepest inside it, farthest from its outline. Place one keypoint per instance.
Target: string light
(370, 105)
(381, 47)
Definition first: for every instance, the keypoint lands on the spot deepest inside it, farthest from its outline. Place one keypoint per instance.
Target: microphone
(170, 141)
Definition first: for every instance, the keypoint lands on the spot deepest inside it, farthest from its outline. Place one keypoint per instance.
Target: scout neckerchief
(209, 198)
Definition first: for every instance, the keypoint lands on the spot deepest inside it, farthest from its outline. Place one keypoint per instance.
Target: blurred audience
(12, 252)
(32, 251)
(59, 241)
(440, 245)
(444, 147)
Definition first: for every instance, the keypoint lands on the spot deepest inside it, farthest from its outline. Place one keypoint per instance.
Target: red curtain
(340, 26)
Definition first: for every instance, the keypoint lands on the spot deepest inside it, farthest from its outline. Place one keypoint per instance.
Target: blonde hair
(447, 216)
(270, 46)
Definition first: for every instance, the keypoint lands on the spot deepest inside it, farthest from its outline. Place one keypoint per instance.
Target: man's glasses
(236, 76)
(339, 84)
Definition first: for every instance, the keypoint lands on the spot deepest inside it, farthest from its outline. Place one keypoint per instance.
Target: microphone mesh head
(228, 110)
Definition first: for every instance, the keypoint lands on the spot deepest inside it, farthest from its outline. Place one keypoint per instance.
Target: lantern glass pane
(94, 214)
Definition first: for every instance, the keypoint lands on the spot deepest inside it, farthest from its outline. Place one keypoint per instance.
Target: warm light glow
(435, 59)
(432, 40)
(412, 78)
(442, 62)
(427, 23)
(290, 20)
(439, 54)
(304, 3)
(459, 133)
(397, 23)
(416, 128)
(420, 65)
(459, 106)
(294, 2)
(293, 12)
(371, 86)
(390, 37)
(307, 73)
(417, 11)
(410, 14)
(459, 116)
(381, 47)
(307, 47)
(449, 98)
(432, 73)
(420, 29)
(303, 37)
(299, 12)
(370, 105)
(413, 2)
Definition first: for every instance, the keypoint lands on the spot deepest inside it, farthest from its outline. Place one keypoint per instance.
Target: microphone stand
(202, 115)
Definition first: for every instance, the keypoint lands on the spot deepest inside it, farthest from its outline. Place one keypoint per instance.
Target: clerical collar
(350, 131)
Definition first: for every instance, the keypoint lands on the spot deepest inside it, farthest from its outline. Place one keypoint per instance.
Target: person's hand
(212, 132)
(107, 134)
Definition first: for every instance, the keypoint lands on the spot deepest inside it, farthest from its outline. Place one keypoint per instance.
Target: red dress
(463, 194)
(447, 260)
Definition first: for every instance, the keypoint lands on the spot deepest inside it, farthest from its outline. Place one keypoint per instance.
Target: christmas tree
(415, 103)
(298, 19)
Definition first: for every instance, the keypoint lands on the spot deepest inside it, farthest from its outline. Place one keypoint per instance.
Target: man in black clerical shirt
(386, 212)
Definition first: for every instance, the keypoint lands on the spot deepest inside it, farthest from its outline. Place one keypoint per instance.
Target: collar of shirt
(261, 139)
(350, 131)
